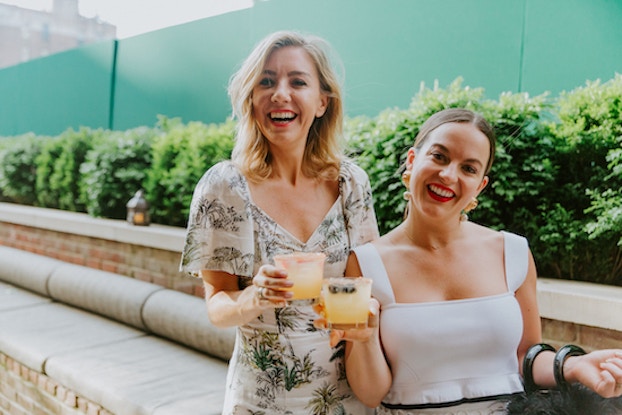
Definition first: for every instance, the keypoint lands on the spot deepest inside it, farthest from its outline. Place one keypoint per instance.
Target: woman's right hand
(272, 286)
(228, 306)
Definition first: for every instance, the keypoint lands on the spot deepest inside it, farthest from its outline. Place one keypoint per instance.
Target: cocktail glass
(346, 302)
(306, 271)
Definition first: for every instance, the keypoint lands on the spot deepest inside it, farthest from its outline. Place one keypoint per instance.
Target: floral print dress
(281, 364)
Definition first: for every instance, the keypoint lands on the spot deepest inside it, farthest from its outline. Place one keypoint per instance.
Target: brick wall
(559, 333)
(158, 266)
(24, 391)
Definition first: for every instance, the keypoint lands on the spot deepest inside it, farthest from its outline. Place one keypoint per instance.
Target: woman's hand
(353, 335)
(599, 370)
(272, 286)
(228, 306)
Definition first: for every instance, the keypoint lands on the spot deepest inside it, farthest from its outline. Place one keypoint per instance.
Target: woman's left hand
(599, 370)
(353, 335)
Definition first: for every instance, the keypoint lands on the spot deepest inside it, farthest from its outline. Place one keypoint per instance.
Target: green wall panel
(570, 41)
(51, 94)
(387, 47)
(180, 71)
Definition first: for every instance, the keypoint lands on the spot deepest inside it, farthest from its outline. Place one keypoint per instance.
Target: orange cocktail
(306, 271)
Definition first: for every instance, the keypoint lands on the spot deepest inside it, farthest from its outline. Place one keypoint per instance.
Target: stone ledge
(169, 238)
(581, 303)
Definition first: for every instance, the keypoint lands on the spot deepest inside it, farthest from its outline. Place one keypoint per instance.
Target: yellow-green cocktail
(346, 302)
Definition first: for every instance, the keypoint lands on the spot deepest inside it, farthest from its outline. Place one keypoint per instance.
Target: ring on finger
(261, 293)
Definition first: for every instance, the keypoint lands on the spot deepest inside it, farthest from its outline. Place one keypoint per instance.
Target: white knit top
(450, 352)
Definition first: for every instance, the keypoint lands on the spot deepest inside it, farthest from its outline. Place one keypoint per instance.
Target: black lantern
(138, 209)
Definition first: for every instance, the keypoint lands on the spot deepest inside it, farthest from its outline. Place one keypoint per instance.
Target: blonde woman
(287, 188)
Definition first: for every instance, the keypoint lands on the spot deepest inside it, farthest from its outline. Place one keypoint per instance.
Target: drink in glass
(306, 271)
(346, 302)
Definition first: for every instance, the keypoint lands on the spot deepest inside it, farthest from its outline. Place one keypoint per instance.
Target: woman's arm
(526, 296)
(227, 305)
(600, 370)
(367, 370)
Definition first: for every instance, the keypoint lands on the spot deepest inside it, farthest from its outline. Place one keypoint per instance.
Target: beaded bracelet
(560, 358)
(530, 357)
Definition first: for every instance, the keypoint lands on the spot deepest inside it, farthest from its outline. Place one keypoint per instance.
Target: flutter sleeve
(358, 207)
(220, 230)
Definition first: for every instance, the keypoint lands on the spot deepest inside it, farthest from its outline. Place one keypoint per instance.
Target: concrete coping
(169, 238)
(582, 303)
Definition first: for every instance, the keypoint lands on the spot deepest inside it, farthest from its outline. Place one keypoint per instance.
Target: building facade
(28, 34)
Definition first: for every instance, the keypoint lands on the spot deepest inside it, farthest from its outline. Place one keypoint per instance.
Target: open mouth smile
(440, 193)
(282, 117)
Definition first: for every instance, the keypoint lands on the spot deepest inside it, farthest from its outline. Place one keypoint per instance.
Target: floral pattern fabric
(281, 364)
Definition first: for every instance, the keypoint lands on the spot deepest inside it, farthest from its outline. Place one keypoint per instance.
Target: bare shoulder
(484, 232)
(484, 237)
(388, 240)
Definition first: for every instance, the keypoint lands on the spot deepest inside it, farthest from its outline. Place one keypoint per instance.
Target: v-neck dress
(281, 364)
(453, 357)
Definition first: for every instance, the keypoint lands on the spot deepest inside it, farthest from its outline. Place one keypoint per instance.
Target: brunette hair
(459, 115)
(323, 151)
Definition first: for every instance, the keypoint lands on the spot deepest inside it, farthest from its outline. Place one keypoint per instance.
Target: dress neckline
(313, 235)
(381, 274)
(284, 230)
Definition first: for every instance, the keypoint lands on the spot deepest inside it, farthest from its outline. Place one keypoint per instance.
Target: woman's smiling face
(448, 171)
(288, 98)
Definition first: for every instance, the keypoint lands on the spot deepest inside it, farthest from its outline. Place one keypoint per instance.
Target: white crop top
(449, 352)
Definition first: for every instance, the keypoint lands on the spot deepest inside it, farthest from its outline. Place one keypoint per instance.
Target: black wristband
(558, 364)
(530, 357)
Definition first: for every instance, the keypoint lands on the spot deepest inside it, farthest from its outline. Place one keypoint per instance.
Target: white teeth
(282, 115)
(441, 192)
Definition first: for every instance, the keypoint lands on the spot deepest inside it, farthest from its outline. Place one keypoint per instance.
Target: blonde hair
(323, 152)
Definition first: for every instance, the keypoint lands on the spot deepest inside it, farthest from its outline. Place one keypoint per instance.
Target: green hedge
(181, 154)
(58, 177)
(98, 171)
(557, 178)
